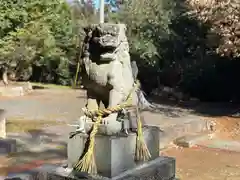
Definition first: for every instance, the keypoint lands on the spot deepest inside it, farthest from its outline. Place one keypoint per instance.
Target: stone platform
(114, 154)
(16, 90)
(7, 145)
(161, 168)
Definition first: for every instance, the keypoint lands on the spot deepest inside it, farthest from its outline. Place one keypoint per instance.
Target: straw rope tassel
(142, 153)
(87, 163)
(76, 75)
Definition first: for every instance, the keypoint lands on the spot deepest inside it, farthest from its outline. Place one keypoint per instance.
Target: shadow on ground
(82, 97)
(171, 108)
(167, 110)
(195, 107)
(39, 87)
(39, 145)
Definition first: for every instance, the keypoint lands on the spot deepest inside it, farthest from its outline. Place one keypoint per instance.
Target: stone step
(171, 133)
(219, 144)
(192, 139)
(207, 140)
(14, 91)
(162, 168)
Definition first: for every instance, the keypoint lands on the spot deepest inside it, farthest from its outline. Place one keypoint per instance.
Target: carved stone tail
(143, 102)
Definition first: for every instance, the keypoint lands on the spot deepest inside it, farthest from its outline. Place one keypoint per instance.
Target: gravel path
(66, 104)
(51, 104)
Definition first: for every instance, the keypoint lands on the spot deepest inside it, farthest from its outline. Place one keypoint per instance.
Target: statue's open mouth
(100, 47)
(107, 49)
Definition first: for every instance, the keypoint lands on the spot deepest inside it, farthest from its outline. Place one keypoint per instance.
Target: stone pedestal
(12, 91)
(6, 145)
(16, 90)
(2, 123)
(114, 154)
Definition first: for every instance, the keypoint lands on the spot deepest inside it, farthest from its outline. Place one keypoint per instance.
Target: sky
(95, 2)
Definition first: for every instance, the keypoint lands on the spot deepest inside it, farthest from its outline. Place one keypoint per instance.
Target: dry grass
(21, 125)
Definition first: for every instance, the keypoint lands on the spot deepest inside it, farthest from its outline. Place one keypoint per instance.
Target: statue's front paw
(85, 119)
(112, 126)
(106, 120)
(81, 122)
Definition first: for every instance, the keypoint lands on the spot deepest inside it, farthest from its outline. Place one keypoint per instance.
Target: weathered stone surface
(2, 123)
(225, 145)
(7, 146)
(107, 74)
(171, 133)
(191, 140)
(12, 91)
(114, 154)
(162, 168)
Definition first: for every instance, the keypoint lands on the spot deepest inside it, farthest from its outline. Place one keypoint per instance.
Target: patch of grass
(21, 125)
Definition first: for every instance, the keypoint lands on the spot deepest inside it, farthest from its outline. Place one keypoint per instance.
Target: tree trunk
(5, 78)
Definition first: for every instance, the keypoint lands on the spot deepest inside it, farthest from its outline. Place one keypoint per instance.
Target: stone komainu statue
(106, 70)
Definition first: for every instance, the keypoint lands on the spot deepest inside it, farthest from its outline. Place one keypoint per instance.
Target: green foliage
(185, 44)
(175, 43)
(83, 14)
(224, 19)
(37, 33)
(148, 25)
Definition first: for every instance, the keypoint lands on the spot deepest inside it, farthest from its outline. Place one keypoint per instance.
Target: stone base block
(113, 154)
(191, 140)
(162, 168)
(2, 123)
(8, 146)
(14, 91)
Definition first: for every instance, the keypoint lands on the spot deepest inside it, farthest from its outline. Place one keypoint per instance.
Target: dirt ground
(192, 164)
(209, 164)
(63, 106)
(5, 163)
(18, 125)
(227, 128)
(8, 166)
(205, 164)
